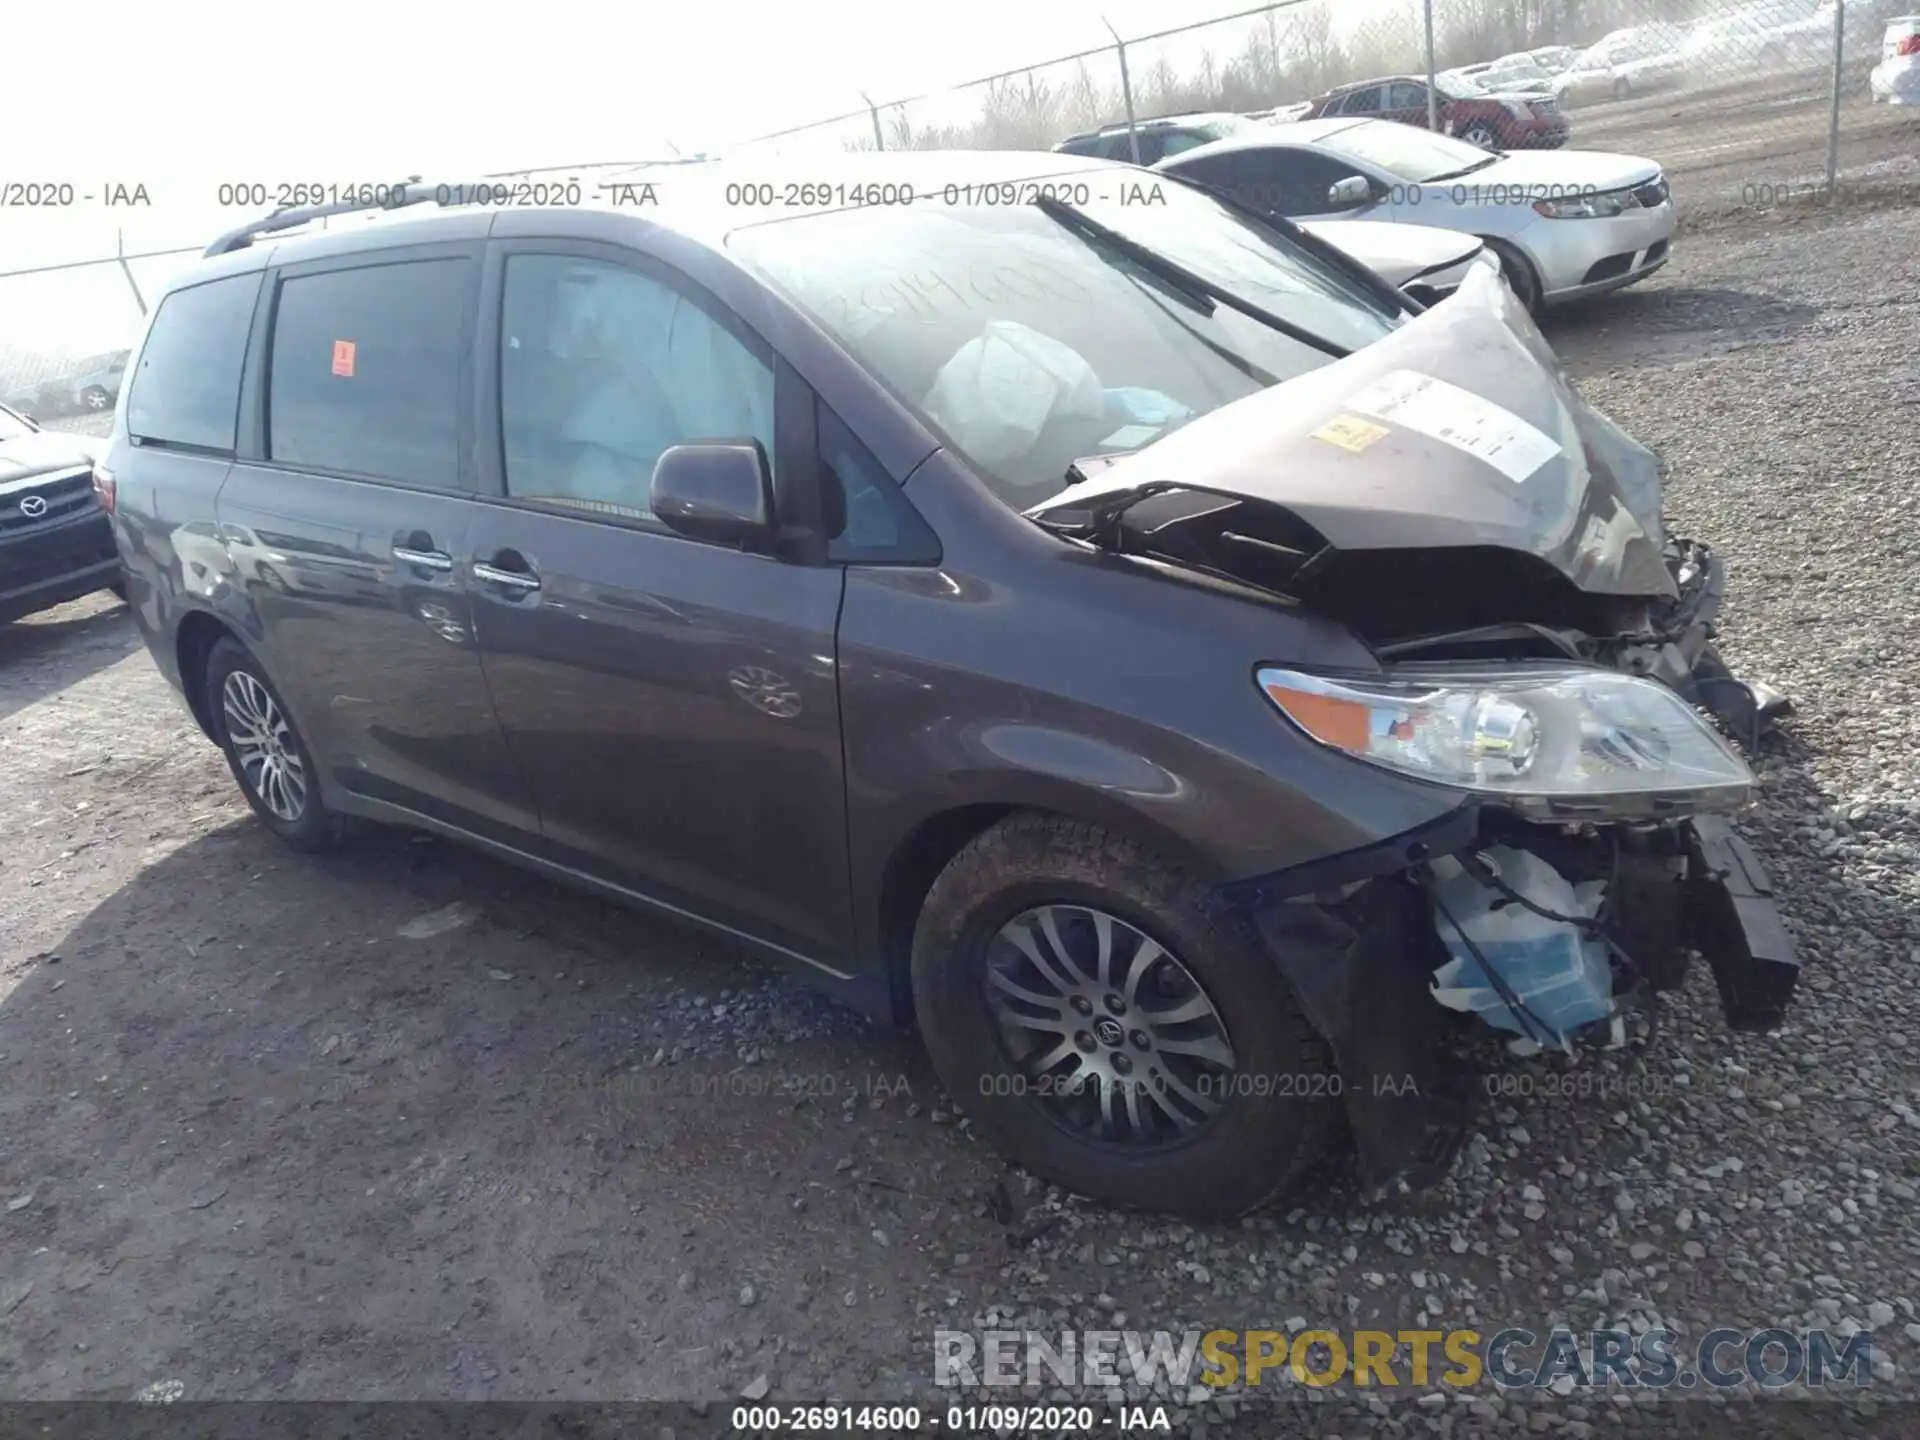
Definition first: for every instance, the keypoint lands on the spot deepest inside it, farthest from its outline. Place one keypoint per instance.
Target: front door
(673, 704)
(345, 522)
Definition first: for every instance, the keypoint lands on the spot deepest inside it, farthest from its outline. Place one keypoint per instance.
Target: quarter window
(186, 390)
(366, 368)
(868, 518)
(602, 368)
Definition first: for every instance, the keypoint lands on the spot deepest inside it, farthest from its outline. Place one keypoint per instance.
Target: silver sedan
(1566, 224)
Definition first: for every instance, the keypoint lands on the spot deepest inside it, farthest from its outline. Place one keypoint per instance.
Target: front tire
(1522, 278)
(1480, 133)
(95, 398)
(1115, 1028)
(266, 753)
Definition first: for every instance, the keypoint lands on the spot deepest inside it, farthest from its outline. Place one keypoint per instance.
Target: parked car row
(90, 391)
(1723, 44)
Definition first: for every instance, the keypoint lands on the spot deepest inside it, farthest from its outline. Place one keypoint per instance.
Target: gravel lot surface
(405, 1123)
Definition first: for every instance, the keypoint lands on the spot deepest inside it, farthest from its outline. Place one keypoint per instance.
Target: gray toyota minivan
(1035, 599)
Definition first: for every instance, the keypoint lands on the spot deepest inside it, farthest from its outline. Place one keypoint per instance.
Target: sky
(181, 96)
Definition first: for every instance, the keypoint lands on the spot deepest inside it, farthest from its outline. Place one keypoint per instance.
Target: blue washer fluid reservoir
(1558, 972)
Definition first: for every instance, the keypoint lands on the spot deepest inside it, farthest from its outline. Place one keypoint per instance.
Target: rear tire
(1271, 1110)
(265, 751)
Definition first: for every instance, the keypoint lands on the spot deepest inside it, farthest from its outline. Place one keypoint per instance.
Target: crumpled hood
(41, 453)
(1458, 430)
(1396, 253)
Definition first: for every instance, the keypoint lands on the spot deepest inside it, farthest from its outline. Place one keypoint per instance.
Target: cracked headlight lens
(1555, 738)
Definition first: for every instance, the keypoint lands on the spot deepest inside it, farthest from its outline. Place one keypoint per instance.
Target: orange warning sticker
(343, 357)
(1350, 433)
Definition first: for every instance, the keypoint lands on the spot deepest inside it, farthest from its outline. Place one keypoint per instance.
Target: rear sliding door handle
(511, 579)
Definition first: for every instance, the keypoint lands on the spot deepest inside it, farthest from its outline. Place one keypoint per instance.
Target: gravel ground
(272, 1126)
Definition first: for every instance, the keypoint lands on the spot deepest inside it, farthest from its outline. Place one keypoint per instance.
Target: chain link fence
(1745, 103)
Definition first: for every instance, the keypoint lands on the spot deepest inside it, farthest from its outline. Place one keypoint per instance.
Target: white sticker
(1130, 437)
(1459, 417)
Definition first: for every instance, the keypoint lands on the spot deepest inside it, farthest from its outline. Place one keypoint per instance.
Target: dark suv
(1158, 138)
(55, 544)
(1092, 629)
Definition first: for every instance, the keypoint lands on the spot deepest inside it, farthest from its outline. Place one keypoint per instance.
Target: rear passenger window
(186, 390)
(365, 374)
(602, 368)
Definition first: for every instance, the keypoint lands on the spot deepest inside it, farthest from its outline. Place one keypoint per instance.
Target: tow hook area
(1733, 922)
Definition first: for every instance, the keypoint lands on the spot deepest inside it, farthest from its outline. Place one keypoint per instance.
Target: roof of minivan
(691, 199)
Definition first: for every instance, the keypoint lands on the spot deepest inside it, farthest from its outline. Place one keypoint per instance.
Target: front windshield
(1459, 87)
(12, 427)
(1030, 345)
(1406, 152)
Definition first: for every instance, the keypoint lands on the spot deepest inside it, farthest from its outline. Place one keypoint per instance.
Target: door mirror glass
(717, 491)
(1352, 191)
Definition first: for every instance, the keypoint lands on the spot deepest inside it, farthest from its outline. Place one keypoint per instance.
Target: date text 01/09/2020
(958, 1419)
(1307, 1084)
(812, 195)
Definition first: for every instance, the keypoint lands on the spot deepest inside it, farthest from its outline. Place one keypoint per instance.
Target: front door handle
(425, 559)
(520, 578)
(416, 548)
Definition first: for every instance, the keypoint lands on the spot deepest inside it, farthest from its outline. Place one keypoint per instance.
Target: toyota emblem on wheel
(33, 506)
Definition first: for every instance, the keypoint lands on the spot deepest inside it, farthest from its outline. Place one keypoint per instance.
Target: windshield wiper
(1174, 273)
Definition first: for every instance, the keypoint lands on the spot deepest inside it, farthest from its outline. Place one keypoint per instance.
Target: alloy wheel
(263, 746)
(1106, 1026)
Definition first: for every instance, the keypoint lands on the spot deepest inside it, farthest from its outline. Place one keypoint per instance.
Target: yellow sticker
(1350, 433)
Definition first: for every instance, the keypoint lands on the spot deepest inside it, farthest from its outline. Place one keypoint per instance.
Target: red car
(1480, 117)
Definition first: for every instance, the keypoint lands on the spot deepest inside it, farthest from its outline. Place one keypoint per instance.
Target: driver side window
(602, 368)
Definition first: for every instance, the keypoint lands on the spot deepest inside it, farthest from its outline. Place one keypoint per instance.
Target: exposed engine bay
(1480, 603)
(1541, 646)
(1557, 936)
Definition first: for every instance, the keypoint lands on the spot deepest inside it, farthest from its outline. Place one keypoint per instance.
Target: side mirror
(717, 491)
(1352, 191)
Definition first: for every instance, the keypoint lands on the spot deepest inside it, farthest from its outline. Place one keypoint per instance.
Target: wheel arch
(193, 641)
(927, 845)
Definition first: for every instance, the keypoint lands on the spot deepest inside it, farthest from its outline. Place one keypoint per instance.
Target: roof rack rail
(411, 191)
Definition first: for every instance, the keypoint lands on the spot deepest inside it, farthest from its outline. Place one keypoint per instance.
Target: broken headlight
(1554, 739)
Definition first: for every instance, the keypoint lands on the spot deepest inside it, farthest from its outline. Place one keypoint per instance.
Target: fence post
(1433, 96)
(1833, 122)
(1126, 89)
(879, 141)
(120, 254)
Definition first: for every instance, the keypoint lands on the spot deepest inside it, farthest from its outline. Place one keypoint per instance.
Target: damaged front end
(1543, 647)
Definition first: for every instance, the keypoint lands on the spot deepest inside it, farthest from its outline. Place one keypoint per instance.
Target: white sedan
(1566, 224)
